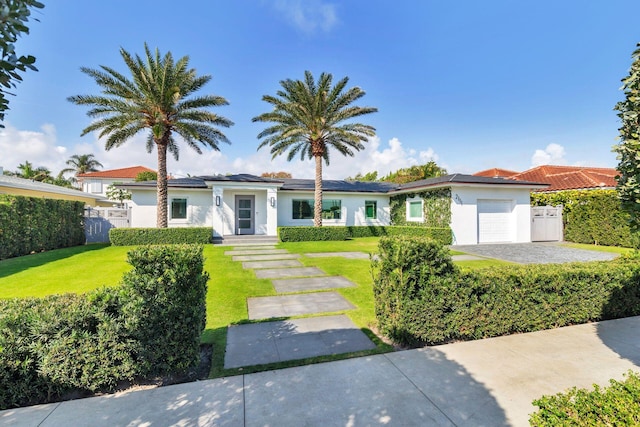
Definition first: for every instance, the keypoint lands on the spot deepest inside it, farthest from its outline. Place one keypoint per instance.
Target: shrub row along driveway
(534, 253)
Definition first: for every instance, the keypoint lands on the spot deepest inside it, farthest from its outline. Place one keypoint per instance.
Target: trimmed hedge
(62, 343)
(160, 236)
(591, 216)
(616, 405)
(420, 298)
(310, 233)
(30, 224)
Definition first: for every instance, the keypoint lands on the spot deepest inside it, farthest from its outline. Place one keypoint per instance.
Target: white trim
(411, 201)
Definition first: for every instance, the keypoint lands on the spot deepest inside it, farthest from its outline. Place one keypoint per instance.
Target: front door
(244, 215)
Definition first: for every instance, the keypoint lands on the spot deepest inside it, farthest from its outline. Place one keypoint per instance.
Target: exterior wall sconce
(458, 199)
(217, 200)
(272, 202)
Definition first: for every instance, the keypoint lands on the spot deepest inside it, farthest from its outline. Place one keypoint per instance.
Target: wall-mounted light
(217, 200)
(272, 202)
(458, 199)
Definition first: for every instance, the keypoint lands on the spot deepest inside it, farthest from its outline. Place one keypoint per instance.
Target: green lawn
(612, 249)
(81, 269)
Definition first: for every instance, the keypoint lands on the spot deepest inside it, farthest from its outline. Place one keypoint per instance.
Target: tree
(628, 149)
(281, 174)
(369, 177)
(146, 176)
(82, 163)
(118, 194)
(157, 99)
(27, 171)
(415, 173)
(14, 15)
(310, 117)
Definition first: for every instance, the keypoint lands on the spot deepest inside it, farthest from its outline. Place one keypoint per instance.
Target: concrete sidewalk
(488, 382)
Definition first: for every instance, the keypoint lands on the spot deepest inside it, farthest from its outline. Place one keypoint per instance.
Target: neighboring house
(478, 209)
(30, 188)
(561, 177)
(97, 182)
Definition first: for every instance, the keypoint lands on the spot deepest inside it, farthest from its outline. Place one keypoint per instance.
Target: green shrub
(616, 405)
(160, 236)
(31, 224)
(149, 325)
(310, 233)
(165, 308)
(590, 216)
(448, 304)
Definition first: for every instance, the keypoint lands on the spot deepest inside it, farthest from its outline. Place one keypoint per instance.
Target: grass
(610, 249)
(81, 269)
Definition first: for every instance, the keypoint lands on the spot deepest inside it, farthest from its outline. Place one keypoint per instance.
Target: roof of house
(570, 177)
(496, 173)
(130, 172)
(290, 184)
(29, 184)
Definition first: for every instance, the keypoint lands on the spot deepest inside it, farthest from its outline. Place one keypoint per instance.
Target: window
(95, 186)
(370, 209)
(303, 209)
(178, 208)
(414, 210)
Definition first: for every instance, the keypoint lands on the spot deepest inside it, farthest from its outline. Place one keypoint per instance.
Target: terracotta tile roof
(130, 172)
(496, 173)
(570, 177)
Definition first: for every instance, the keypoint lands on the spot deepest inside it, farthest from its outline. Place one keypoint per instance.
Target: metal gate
(546, 224)
(98, 222)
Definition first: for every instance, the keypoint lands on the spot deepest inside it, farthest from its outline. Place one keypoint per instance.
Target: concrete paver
(489, 382)
(311, 284)
(281, 273)
(268, 257)
(284, 263)
(270, 342)
(535, 253)
(257, 251)
(296, 305)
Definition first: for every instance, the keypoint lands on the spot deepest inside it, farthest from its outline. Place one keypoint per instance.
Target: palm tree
(27, 171)
(82, 163)
(156, 99)
(312, 116)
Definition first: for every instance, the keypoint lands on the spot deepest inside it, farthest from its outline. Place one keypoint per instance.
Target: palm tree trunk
(317, 199)
(162, 185)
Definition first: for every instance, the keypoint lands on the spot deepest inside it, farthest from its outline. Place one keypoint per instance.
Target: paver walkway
(277, 341)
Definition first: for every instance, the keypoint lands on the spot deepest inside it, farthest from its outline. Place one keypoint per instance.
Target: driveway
(534, 253)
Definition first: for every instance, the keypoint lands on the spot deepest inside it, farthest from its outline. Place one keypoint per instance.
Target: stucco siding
(464, 212)
(199, 208)
(352, 209)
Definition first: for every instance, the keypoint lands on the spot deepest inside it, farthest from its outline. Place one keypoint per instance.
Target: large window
(303, 209)
(95, 186)
(414, 210)
(370, 209)
(178, 208)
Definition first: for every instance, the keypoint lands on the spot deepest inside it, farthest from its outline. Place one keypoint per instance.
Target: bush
(310, 233)
(31, 224)
(160, 236)
(150, 325)
(616, 405)
(436, 305)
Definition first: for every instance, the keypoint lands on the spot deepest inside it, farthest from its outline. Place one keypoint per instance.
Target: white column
(272, 212)
(218, 212)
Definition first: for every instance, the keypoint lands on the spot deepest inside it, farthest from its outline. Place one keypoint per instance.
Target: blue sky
(471, 85)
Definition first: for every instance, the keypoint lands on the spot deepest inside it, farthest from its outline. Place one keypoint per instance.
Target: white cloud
(38, 147)
(308, 15)
(552, 155)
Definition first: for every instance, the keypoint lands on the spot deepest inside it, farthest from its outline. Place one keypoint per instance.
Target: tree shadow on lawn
(15, 265)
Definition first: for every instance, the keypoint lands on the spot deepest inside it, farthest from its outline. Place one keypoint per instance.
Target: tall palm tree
(27, 171)
(310, 117)
(156, 99)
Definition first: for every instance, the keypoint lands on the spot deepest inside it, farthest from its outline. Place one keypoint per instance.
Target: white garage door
(495, 221)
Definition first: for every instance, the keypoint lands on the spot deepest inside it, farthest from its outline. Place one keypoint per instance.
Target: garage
(495, 221)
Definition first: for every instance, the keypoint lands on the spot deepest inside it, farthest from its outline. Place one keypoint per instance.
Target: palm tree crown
(82, 163)
(158, 99)
(310, 117)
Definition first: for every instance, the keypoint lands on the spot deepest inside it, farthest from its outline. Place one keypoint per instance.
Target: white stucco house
(482, 210)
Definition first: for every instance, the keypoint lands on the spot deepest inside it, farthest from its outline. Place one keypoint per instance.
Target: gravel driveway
(534, 253)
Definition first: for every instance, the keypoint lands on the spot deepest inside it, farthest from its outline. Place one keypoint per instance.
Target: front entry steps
(245, 240)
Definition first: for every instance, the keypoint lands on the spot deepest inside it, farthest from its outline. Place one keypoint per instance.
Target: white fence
(546, 224)
(98, 222)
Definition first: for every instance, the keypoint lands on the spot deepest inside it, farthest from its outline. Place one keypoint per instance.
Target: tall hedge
(149, 325)
(590, 216)
(30, 224)
(420, 297)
